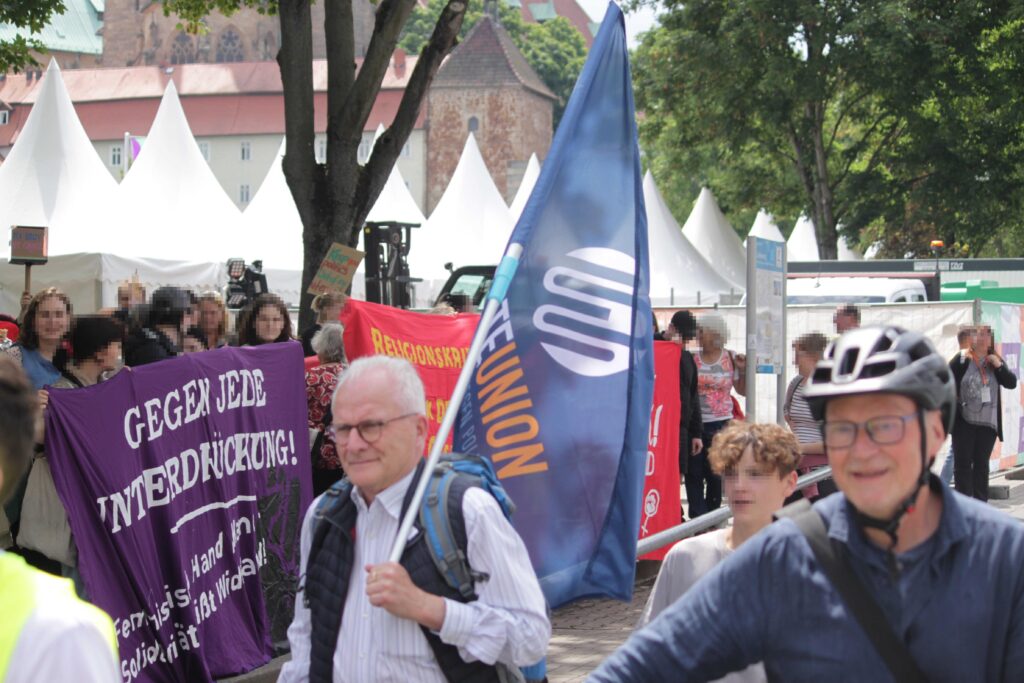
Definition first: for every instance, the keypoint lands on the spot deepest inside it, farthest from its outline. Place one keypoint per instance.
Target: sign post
(766, 317)
(28, 248)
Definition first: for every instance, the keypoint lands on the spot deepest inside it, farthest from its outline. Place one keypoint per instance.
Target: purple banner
(185, 483)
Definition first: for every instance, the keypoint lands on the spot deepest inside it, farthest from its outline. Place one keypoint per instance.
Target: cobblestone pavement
(586, 632)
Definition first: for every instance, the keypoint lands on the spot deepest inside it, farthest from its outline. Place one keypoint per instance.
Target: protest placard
(336, 270)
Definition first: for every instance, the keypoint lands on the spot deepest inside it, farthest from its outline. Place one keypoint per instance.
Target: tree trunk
(824, 220)
(334, 199)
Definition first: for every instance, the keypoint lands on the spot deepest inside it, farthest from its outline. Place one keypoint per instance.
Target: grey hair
(406, 386)
(329, 343)
(714, 322)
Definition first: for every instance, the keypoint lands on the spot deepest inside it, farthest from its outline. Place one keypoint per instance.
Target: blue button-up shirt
(958, 604)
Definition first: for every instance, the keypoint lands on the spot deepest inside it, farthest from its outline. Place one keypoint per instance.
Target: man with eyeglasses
(946, 572)
(359, 618)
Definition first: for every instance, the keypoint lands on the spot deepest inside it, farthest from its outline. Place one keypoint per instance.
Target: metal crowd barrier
(711, 519)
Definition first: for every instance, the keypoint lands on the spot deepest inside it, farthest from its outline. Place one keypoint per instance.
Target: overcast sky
(636, 22)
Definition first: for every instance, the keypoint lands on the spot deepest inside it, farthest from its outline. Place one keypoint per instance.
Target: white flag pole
(502, 278)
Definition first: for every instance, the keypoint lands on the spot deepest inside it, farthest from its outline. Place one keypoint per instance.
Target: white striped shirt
(798, 412)
(508, 622)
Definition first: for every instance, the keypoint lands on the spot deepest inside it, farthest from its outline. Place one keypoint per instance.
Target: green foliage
(554, 49)
(916, 108)
(31, 16)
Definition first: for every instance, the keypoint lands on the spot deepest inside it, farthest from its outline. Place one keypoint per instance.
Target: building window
(115, 155)
(321, 151)
(406, 150)
(365, 147)
(474, 124)
(204, 149)
(229, 47)
(246, 151)
(183, 50)
(5, 117)
(243, 194)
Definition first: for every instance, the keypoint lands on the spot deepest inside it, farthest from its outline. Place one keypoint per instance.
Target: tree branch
(385, 152)
(341, 57)
(387, 28)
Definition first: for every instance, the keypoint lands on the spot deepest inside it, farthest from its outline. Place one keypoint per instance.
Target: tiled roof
(76, 30)
(534, 11)
(488, 57)
(135, 82)
(218, 99)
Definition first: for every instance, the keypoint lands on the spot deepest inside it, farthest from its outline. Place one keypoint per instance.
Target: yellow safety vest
(24, 589)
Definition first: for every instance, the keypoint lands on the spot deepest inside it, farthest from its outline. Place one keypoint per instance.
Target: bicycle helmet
(874, 360)
(890, 360)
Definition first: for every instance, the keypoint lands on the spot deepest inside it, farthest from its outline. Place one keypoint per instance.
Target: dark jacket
(307, 339)
(146, 345)
(959, 363)
(691, 424)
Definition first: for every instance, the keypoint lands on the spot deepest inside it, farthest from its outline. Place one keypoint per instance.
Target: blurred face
(110, 357)
(672, 334)
(332, 313)
(805, 361)
(709, 339)
(191, 317)
(52, 319)
(191, 345)
(877, 477)
(124, 298)
(209, 316)
(844, 322)
(398, 445)
(982, 341)
(754, 490)
(269, 323)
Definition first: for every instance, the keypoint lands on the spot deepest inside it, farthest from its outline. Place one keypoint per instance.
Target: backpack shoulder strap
(449, 551)
(858, 600)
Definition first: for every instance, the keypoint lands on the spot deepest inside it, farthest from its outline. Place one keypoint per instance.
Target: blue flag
(560, 399)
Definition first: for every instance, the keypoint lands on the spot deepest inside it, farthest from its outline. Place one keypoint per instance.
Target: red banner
(661, 485)
(437, 346)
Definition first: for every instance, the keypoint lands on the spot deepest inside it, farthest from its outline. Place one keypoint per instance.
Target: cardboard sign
(336, 270)
(28, 245)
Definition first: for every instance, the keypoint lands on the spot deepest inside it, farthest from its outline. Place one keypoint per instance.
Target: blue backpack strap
(449, 555)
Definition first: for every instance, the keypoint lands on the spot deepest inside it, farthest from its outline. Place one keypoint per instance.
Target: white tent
(803, 243)
(679, 274)
(470, 225)
(395, 203)
(170, 203)
(710, 232)
(765, 228)
(53, 176)
(525, 189)
(91, 280)
(845, 252)
(271, 223)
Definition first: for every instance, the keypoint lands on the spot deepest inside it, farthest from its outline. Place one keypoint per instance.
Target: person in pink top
(719, 371)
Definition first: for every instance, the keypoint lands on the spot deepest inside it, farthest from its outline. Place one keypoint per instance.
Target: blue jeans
(698, 474)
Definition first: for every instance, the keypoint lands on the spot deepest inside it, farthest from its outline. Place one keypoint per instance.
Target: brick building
(136, 33)
(487, 87)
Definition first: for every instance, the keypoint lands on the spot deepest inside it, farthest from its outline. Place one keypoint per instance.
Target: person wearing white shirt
(379, 421)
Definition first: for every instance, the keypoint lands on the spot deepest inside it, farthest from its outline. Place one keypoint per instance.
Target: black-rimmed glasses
(883, 430)
(369, 430)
